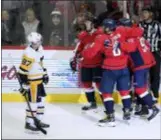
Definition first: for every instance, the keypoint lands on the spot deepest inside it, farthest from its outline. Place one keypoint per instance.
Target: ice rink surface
(67, 122)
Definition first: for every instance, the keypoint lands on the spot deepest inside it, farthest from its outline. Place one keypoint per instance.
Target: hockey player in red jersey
(90, 69)
(112, 44)
(141, 60)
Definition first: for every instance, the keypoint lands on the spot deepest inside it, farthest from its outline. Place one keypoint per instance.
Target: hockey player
(141, 60)
(32, 76)
(90, 69)
(115, 70)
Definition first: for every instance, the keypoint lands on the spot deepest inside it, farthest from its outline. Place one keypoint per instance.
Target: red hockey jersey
(85, 40)
(142, 57)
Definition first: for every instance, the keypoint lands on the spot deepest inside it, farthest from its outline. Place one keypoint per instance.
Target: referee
(152, 32)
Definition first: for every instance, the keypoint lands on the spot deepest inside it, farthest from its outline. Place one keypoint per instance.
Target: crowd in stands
(55, 19)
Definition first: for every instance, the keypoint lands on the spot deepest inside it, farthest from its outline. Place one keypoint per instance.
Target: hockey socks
(90, 95)
(147, 99)
(108, 103)
(29, 118)
(126, 99)
(40, 108)
(40, 112)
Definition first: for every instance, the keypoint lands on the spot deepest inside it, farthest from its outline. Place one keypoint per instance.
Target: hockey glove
(24, 90)
(45, 78)
(73, 64)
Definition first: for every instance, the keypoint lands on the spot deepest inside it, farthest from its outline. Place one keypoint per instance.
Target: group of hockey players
(114, 53)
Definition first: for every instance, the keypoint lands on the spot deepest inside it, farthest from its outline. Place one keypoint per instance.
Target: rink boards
(63, 85)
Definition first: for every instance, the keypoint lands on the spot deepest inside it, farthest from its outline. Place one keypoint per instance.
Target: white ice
(67, 122)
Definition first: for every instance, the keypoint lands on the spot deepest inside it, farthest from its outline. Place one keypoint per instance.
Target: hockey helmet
(125, 22)
(34, 38)
(109, 23)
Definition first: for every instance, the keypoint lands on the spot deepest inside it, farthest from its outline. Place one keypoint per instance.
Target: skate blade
(111, 124)
(154, 118)
(139, 116)
(32, 132)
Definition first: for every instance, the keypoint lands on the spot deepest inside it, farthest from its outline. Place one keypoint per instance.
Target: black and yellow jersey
(31, 64)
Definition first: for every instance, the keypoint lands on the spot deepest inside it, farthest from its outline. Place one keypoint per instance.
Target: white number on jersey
(143, 45)
(116, 50)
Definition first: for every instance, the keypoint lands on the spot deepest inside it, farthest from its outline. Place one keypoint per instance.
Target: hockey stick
(36, 122)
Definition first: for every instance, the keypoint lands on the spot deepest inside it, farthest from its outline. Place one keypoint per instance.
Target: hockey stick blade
(37, 124)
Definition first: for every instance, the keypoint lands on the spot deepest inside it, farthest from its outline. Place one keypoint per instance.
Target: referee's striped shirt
(152, 32)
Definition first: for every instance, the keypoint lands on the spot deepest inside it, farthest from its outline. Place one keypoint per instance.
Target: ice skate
(127, 115)
(109, 121)
(138, 107)
(44, 125)
(31, 128)
(143, 112)
(154, 113)
(90, 106)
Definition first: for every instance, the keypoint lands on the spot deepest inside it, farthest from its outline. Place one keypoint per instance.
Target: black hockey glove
(45, 77)
(24, 90)
(73, 64)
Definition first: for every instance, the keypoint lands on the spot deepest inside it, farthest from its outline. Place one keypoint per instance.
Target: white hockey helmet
(34, 38)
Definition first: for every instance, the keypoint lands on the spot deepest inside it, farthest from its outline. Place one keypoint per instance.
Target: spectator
(57, 30)
(6, 32)
(11, 34)
(31, 23)
(87, 7)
